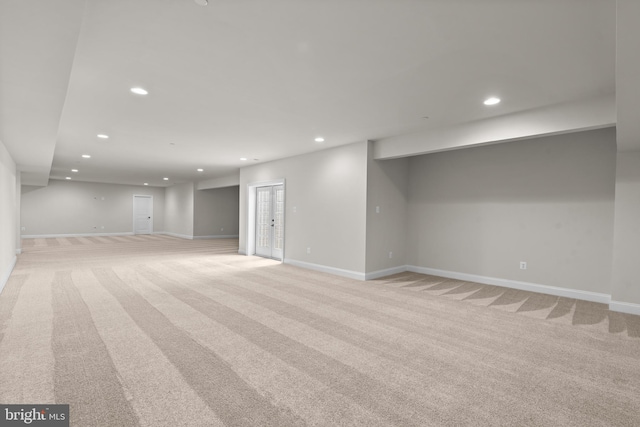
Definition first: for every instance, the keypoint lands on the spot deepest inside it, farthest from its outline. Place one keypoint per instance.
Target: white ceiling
(262, 78)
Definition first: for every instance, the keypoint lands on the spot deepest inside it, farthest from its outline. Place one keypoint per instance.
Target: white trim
(625, 307)
(326, 269)
(182, 236)
(218, 236)
(49, 236)
(18, 251)
(386, 272)
(5, 276)
(524, 286)
(242, 252)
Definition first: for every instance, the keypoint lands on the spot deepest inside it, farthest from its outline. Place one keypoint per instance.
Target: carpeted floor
(159, 331)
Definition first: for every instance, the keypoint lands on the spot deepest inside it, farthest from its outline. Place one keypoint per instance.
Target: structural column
(625, 281)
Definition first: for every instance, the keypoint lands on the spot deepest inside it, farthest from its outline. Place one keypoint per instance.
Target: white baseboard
(49, 236)
(524, 286)
(218, 236)
(625, 307)
(18, 251)
(181, 236)
(242, 252)
(5, 275)
(386, 272)
(326, 269)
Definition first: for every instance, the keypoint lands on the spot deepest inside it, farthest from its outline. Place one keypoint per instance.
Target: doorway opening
(266, 215)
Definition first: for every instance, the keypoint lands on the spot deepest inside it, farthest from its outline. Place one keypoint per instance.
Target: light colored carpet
(159, 331)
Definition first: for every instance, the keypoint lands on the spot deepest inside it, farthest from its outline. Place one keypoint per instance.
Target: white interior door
(142, 214)
(270, 221)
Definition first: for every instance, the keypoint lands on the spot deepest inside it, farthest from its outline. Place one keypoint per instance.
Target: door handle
(149, 218)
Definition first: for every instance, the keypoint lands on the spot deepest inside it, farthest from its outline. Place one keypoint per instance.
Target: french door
(270, 221)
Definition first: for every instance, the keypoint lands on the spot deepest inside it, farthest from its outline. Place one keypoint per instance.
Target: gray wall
(328, 190)
(546, 201)
(387, 189)
(74, 207)
(179, 209)
(8, 213)
(626, 283)
(216, 212)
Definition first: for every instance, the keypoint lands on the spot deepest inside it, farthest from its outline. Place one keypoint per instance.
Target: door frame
(133, 209)
(251, 213)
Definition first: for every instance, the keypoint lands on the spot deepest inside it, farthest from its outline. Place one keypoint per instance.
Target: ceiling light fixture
(492, 101)
(103, 136)
(201, 2)
(68, 177)
(243, 158)
(166, 179)
(139, 91)
(86, 156)
(200, 170)
(319, 139)
(74, 170)
(146, 183)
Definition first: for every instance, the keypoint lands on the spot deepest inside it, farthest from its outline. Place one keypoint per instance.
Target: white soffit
(37, 48)
(585, 115)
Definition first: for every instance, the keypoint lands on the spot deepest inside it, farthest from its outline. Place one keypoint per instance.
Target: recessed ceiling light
(166, 179)
(139, 91)
(202, 2)
(200, 170)
(492, 101)
(74, 170)
(146, 183)
(243, 158)
(86, 156)
(68, 177)
(103, 136)
(319, 139)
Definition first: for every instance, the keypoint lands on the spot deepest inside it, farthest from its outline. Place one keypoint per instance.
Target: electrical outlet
(390, 254)
(102, 227)
(377, 209)
(308, 250)
(523, 265)
(295, 209)
(221, 228)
